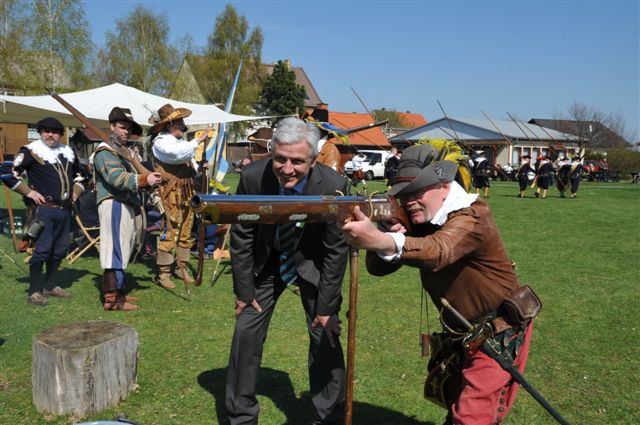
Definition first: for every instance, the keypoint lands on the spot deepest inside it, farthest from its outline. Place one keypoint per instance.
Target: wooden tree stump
(83, 367)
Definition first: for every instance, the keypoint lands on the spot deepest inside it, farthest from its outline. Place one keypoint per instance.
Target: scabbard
(507, 365)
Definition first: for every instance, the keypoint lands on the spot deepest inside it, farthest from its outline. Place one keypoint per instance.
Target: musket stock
(122, 150)
(264, 209)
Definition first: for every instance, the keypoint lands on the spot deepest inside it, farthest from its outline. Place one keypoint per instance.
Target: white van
(373, 166)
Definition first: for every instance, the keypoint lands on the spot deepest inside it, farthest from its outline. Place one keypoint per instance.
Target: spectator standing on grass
(604, 170)
(391, 167)
(265, 258)
(51, 167)
(508, 171)
(358, 172)
(455, 244)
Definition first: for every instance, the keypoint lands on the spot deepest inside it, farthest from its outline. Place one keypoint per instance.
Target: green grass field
(581, 256)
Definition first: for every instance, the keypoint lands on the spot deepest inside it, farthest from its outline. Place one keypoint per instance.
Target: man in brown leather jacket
(456, 245)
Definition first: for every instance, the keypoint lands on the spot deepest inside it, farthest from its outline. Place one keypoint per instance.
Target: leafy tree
(12, 42)
(138, 53)
(281, 95)
(395, 119)
(230, 42)
(60, 32)
(43, 43)
(624, 161)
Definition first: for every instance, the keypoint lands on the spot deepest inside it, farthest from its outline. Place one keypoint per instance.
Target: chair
(86, 215)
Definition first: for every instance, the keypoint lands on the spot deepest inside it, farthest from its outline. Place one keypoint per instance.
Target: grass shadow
(277, 386)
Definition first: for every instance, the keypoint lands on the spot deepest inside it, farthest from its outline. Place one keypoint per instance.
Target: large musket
(120, 150)
(204, 184)
(365, 127)
(265, 209)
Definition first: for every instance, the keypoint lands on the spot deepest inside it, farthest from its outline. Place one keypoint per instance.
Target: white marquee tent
(96, 104)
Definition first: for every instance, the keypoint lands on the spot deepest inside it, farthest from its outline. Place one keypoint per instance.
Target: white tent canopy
(96, 104)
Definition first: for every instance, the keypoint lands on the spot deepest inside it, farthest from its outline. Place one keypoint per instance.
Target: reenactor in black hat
(575, 175)
(525, 174)
(544, 171)
(51, 168)
(481, 170)
(118, 198)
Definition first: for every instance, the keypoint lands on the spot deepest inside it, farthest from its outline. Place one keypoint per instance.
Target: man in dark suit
(267, 257)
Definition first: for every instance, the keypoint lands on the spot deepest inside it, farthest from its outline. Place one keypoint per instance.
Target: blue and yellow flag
(218, 149)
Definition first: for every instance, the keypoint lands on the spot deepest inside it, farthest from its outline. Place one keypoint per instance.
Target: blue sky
(529, 58)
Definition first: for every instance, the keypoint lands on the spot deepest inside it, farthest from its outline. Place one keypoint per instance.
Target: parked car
(373, 165)
(592, 169)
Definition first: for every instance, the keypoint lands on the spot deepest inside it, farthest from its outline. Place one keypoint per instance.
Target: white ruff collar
(50, 154)
(457, 199)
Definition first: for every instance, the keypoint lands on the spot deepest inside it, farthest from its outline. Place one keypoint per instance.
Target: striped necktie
(288, 272)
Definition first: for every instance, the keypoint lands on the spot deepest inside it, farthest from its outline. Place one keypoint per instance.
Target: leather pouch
(35, 229)
(522, 305)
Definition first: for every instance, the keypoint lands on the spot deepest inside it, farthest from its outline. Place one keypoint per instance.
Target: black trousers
(53, 242)
(326, 363)
(50, 247)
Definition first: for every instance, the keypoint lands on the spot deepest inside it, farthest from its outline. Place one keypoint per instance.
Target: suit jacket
(322, 251)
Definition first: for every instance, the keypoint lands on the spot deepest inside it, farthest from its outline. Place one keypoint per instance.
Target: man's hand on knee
(331, 326)
(241, 305)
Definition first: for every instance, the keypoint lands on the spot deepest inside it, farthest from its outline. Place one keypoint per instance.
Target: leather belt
(51, 204)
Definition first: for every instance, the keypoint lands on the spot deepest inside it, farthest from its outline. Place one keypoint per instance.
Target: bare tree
(592, 126)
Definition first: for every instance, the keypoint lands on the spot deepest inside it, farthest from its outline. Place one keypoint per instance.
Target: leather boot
(131, 298)
(164, 277)
(114, 299)
(182, 270)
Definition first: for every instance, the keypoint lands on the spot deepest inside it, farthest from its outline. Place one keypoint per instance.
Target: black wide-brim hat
(124, 114)
(419, 168)
(50, 123)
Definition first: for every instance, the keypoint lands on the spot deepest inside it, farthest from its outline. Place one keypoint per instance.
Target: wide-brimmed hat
(50, 123)
(166, 115)
(124, 114)
(419, 168)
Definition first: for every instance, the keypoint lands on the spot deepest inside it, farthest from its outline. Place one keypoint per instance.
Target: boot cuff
(109, 283)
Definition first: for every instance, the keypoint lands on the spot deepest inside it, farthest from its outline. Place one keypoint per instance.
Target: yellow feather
(452, 152)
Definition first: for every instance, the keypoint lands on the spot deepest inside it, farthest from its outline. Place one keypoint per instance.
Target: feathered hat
(430, 161)
(165, 116)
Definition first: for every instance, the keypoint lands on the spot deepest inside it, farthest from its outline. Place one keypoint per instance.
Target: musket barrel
(365, 127)
(254, 209)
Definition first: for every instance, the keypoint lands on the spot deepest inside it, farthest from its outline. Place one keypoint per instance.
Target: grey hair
(293, 130)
